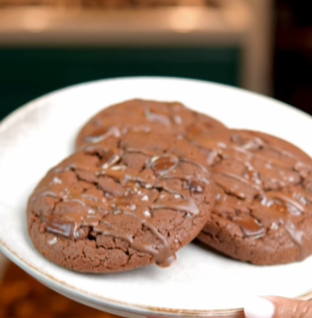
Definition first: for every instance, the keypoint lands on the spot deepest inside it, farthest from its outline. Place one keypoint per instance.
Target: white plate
(201, 283)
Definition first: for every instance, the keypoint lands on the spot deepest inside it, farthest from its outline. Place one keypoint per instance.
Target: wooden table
(21, 296)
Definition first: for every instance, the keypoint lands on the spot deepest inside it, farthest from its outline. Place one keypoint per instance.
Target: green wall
(28, 73)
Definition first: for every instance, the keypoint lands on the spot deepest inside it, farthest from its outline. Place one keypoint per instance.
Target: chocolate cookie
(122, 203)
(263, 211)
(143, 115)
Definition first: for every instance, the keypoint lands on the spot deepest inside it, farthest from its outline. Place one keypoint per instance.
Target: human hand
(278, 307)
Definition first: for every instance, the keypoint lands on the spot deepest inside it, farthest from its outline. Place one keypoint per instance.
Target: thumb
(278, 307)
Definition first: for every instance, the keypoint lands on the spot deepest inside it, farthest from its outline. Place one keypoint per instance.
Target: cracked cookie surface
(145, 115)
(263, 210)
(122, 203)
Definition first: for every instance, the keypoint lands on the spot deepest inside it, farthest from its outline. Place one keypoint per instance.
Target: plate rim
(104, 301)
(112, 303)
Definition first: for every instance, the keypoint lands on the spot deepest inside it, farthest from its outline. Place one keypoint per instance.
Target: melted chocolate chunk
(162, 165)
(61, 227)
(249, 226)
(195, 187)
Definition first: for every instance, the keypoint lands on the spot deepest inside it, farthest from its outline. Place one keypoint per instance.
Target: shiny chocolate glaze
(98, 190)
(143, 116)
(263, 185)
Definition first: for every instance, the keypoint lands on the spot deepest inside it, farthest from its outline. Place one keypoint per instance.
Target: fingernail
(259, 308)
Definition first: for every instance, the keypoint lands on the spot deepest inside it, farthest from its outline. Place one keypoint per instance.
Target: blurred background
(261, 45)
(49, 44)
